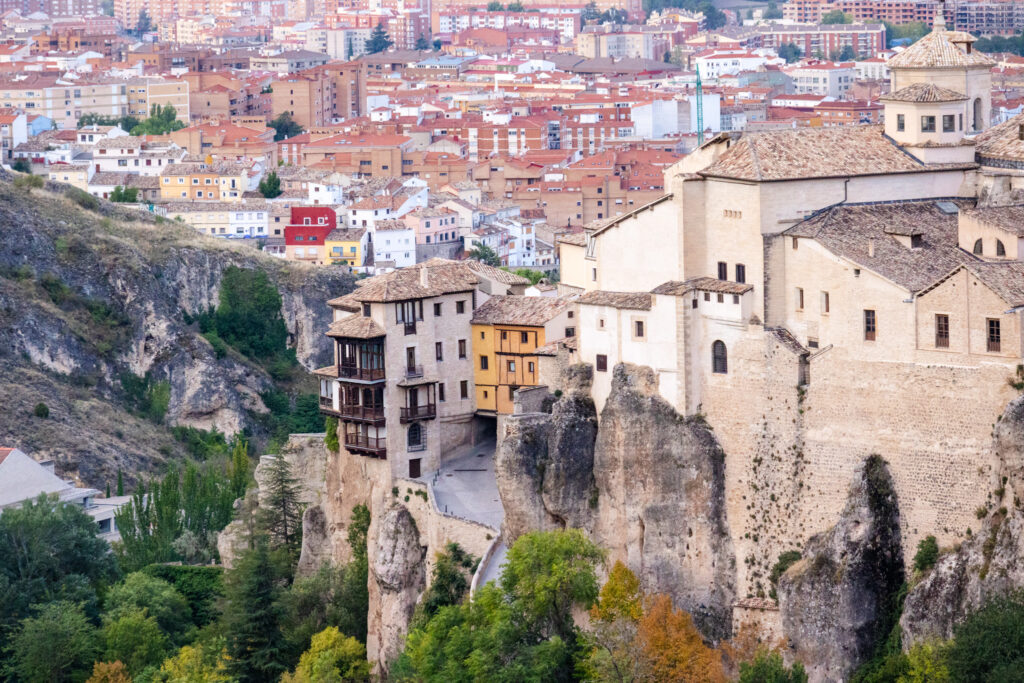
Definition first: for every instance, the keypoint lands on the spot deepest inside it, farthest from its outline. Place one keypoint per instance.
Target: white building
(394, 244)
(831, 80)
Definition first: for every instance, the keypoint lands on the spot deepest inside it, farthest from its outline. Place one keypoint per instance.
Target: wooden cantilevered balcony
(359, 413)
(375, 447)
(361, 374)
(426, 411)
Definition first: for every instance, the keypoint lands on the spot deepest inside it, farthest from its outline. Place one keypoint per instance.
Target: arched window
(977, 247)
(719, 358)
(415, 435)
(1000, 249)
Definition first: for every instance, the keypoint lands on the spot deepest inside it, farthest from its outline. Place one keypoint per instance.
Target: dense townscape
(413, 340)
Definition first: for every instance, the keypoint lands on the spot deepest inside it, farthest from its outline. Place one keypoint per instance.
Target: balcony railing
(358, 412)
(366, 374)
(327, 402)
(410, 327)
(417, 447)
(413, 371)
(427, 411)
(375, 446)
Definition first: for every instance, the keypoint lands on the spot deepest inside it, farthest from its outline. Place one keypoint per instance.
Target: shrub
(27, 183)
(786, 560)
(82, 198)
(55, 287)
(201, 586)
(41, 410)
(220, 349)
(927, 554)
(990, 640)
(768, 666)
(22, 166)
(331, 441)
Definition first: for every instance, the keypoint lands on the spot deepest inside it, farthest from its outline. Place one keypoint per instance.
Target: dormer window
(977, 247)
(1000, 249)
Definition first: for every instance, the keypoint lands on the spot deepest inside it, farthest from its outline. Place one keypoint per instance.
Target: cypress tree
(120, 482)
(252, 619)
(280, 511)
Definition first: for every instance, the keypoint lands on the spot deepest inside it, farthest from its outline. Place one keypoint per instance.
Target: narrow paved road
(465, 486)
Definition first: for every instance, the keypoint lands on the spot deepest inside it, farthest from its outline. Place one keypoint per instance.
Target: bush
(58, 291)
(989, 642)
(148, 398)
(82, 198)
(220, 349)
(786, 560)
(22, 165)
(41, 410)
(201, 444)
(768, 667)
(27, 183)
(331, 441)
(201, 586)
(927, 554)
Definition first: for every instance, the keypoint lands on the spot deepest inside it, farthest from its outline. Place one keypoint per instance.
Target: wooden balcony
(427, 411)
(368, 445)
(374, 414)
(361, 374)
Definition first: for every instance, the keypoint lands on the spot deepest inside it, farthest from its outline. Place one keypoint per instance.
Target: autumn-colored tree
(744, 646)
(612, 654)
(672, 646)
(109, 672)
(332, 656)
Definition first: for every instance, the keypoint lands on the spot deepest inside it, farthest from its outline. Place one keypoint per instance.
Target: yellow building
(76, 175)
(507, 330)
(221, 181)
(346, 247)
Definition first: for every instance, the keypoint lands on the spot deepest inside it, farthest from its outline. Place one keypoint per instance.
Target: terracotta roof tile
(533, 311)
(1007, 218)
(937, 49)
(639, 301)
(357, 326)
(924, 92)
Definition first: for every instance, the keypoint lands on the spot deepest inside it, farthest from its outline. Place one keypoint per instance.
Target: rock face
(86, 300)
(988, 565)
(544, 466)
(836, 602)
(316, 545)
(649, 487)
(397, 578)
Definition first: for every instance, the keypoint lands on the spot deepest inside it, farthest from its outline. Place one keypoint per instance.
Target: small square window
(437, 310)
(602, 363)
(460, 306)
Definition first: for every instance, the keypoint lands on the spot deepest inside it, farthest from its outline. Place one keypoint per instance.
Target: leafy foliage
(109, 672)
(332, 656)
(162, 120)
(768, 667)
(124, 194)
(41, 410)
(147, 397)
(270, 185)
(672, 646)
(134, 638)
(1013, 44)
(58, 644)
(331, 438)
(248, 316)
(379, 40)
(200, 586)
(786, 560)
(254, 641)
(836, 16)
(285, 127)
(484, 254)
(22, 165)
(27, 183)
(449, 582)
(158, 599)
(989, 644)
(82, 198)
(125, 123)
(280, 513)
(199, 663)
(927, 554)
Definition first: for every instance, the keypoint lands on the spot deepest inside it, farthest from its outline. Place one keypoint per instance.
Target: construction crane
(700, 111)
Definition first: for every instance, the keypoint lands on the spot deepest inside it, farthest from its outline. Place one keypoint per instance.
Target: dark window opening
(719, 358)
(870, 326)
(602, 363)
(942, 331)
(994, 335)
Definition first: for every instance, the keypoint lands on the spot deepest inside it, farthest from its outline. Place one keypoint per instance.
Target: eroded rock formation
(836, 603)
(397, 578)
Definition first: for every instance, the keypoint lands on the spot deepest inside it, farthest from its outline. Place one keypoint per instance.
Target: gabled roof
(355, 326)
(1002, 142)
(940, 49)
(638, 301)
(533, 311)
(430, 278)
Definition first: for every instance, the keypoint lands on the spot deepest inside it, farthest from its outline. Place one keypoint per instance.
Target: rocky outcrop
(987, 565)
(837, 602)
(397, 578)
(661, 499)
(544, 465)
(86, 300)
(316, 544)
(648, 485)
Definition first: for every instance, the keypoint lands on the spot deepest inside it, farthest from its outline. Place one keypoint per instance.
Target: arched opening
(415, 435)
(977, 114)
(1000, 249)
(977, 247)
(719, 358)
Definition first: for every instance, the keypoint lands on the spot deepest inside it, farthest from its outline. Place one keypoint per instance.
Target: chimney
(424, 277)
(871, 249)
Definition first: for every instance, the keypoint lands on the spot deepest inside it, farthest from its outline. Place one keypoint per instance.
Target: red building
(305, 235)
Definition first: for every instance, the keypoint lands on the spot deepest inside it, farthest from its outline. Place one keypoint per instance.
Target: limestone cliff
(836, 602)
(987, 565)
(87, 297)
(650, 488)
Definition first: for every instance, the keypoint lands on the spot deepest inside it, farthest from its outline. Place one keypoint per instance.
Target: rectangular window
(927, 124)
(483, 363)
(524, 337)
(941, 331)
(824, 302)
(870, 325)
(602, 363)
(994, 336)
(437, 310)
(638, 330)
(901, 122)
(799, 298)
(440, 392)
(460, 306)
(464, 389)
(366, 310)
(948, 123)
(741, 273)
(723, 271)
(438, 351)
(462, 348)
(511, 366)
(570, 332)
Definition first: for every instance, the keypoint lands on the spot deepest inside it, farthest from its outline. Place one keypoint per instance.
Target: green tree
(120, 482)
(255, 643)
(331, 656)
(520, 629)
(786, 560)
(22, 165)
(249, 314)
(422, 43)
(280, 513)
(379, 40)
(836, 16)
(162, 120)
(989, 644)
(772, 12)
(610, 644)
(495, 6)
(198, 663)
(270, 185)
(285, 126)
(239, 468)
(144, 23)
(158, 599)
(41, 410)
(768, 667)
(49, 551)
(713, 17)
(926, 663)
(449, 581)
(437, 44)
(590, 12)
(58, 644)
(27, 183)
(124, 194)
(847, 54)
(927, 554)
(515, 6)
(134, 638)
(331, 434)
(484, 254)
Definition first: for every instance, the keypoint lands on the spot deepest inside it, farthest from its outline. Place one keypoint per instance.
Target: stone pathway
(465, 486)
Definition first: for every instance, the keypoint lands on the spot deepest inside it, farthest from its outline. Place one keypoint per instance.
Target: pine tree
(239, 468)
(120, 482)
(252, 619)
(280, 513)
(379, 40)
(422, 43)
(108, 489)
(270, 186)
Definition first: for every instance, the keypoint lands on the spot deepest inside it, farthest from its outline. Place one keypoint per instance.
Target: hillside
(92, 301)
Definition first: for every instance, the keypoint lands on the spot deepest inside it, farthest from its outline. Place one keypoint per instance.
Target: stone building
(401, 385)
(822, 295)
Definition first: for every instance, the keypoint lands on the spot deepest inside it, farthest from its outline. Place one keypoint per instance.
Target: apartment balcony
(427, 411)
(358, 413)
(413, 371)
(360, 374)
(375, 447)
